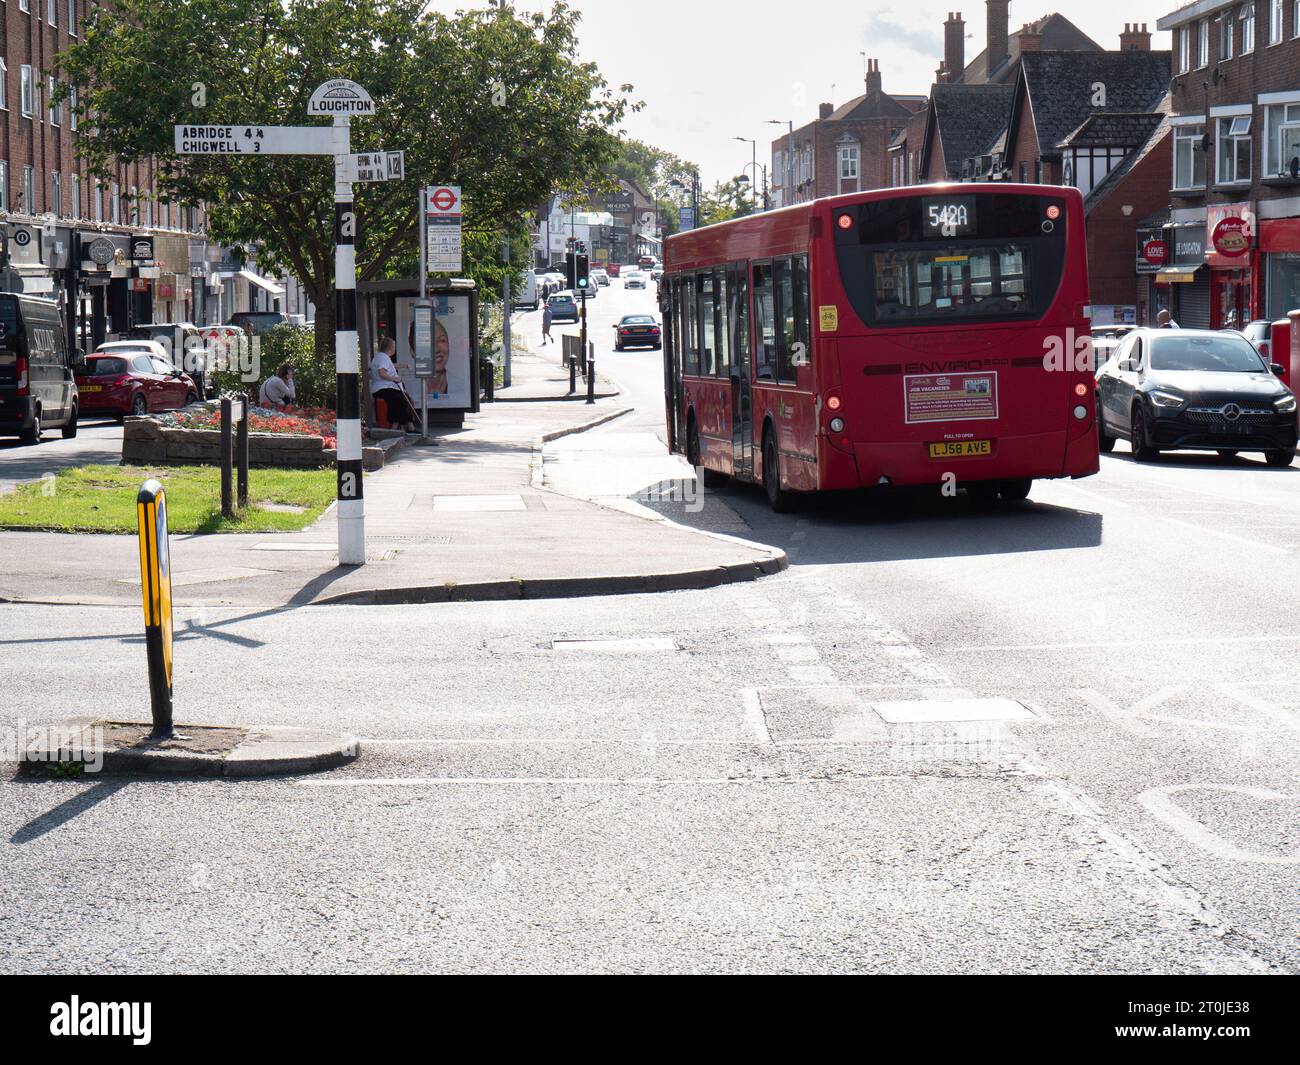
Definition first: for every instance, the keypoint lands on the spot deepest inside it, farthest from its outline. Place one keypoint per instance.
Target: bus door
(742, 403)
(672, 363)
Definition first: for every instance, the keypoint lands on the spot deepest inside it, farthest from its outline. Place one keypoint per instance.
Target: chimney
(1031, 40)
(1135, 39)
(873, 77)
(825, 111)
(954, 46)
(996, 33)
(941, 75)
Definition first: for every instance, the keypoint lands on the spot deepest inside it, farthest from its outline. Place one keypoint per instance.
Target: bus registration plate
(960, 449)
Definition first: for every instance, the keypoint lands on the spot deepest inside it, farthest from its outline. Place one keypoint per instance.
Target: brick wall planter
(145, 442)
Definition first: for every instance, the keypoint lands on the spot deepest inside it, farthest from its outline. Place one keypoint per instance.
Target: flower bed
(290, 421)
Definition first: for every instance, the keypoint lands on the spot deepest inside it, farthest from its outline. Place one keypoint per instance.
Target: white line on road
(420, 782)
(1084, 645)
(755, 719)
(1160, 803)
(1280, 714)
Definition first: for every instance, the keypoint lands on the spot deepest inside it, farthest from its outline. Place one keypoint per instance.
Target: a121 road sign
(376, 166)
(249, 139)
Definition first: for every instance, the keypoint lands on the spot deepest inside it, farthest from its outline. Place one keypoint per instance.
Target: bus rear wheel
(1016, 491)
(778, 498)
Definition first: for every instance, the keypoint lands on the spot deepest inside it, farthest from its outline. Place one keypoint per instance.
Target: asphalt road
(98, 441)
(769, 778)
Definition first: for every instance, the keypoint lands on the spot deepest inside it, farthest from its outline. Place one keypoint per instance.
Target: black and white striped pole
(347, 358)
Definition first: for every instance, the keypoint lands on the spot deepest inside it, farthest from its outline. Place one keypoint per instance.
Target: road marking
(1160, 803)
(420, 782)
(755, 719)
(1227, 536)
(1107, 500)
(1127, 719)
(1081, 645)
(631, 644)
(1280, 714)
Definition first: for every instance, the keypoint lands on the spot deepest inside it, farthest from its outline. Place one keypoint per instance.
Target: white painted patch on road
(294, 547)
(180, 580)
(910, 711)
(755, 719)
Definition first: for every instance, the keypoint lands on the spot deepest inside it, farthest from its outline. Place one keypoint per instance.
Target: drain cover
(913, 710)
(640, 643)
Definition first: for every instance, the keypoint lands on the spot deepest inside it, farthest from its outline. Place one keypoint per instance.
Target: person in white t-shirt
(386, 384)
(278, 390)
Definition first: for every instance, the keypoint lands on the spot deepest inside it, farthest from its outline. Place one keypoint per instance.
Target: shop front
(1152, 257)
(1279, 245)
(1233, 258)
(1184, 281)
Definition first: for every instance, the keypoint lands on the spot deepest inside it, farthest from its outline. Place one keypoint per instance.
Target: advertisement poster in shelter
(449, 387)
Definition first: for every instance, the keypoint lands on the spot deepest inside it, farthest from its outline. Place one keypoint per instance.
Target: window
(690, 325)
(24, 5)
(4, 185)
(99, 201)
(72, 108)
(114, 203)
(72, 17)
(929, 286)
(1276, 17)
(707, 334)
(76, 196)
(1184, 49)
(1246, 16)
(764, 323)
(1189, 156)
(1233, 150)
(1225, 34)
(4, 82)
(56, 109)
(56, 193)
(740, 320)
(28, 91)
(1295, 19)
(29, 190)
(1282, 139)
(166, 215)
(1203, 43)
(847, 156)
(722, 364)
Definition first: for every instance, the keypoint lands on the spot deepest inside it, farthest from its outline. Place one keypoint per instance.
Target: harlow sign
(340, 97)
(376, 166)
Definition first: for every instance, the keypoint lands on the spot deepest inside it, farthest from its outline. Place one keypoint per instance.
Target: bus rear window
(948, 284)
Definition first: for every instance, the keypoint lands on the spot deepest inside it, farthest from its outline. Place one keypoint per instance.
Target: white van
(528, 295)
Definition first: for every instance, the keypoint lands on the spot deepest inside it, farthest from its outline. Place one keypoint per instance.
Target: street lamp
(753, 144)
(694, 192)
(788, 169)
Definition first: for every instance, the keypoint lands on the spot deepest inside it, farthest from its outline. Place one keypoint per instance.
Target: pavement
(462, 517)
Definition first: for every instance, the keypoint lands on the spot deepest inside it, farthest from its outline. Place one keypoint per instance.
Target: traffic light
(580, 273)
(570, 275)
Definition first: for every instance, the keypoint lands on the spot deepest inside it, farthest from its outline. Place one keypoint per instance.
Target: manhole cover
(911, 711)
(624, 646)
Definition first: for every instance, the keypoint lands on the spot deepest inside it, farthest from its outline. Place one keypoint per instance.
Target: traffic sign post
(340, 100)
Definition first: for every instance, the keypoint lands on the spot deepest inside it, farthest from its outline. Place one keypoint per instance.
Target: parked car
(600, 277)
(183, 345)
(38, 387)
(125, 381)
(563, 305)
(1260, 333)
(656, 274)
(255, 323)
(1105, 339)
(646, 262)
(117, 347)
(637, 330)
(1173, 389)
(613, 269)
(634, 279)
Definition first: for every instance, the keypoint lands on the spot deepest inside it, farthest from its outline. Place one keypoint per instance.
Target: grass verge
(102, 499)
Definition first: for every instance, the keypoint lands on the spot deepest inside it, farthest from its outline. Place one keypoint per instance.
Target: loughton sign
(341, 97)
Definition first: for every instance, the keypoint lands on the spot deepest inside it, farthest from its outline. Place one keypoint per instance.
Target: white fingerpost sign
(340, 98)
(377, 166)
(248, 139)
(442, 221)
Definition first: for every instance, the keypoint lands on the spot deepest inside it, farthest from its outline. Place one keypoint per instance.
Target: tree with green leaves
(497, 102)
(728, 200)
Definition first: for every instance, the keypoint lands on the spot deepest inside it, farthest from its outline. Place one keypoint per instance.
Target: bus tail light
(837, 425)
(833, 403)
(1080, 390)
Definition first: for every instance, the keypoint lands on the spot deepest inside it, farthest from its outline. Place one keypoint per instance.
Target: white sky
(711, 70)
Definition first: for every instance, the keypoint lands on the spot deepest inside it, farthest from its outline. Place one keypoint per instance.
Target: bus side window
(764, 324)
(690, 327)
(722, 365)
(790, 354)
(802, 355)
(740, 320)
(705, 283)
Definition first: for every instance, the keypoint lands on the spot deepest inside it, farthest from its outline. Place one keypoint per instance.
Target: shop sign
(1229, 232)
(1152, 250)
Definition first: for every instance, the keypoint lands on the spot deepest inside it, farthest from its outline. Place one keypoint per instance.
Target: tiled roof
(1058, 33)
(870, 105)
(1061, 87)
(970, 117)
(1158, 131)
(1112, 130)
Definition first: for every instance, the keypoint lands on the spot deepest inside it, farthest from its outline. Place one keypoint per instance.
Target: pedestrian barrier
(156, 588)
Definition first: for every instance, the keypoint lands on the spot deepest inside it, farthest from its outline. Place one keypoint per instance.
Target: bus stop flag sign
(156, 586)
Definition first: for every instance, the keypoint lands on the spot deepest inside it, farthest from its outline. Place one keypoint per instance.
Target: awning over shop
(263, 283)
(1175, 274)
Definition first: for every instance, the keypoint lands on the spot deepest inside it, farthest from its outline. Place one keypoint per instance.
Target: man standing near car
(1165, 320)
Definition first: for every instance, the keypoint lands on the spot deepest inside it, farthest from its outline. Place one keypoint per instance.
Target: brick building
(1235, 172)
(110, 252)
(845, 149)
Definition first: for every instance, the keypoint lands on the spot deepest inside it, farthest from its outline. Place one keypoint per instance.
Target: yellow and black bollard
(156, 584)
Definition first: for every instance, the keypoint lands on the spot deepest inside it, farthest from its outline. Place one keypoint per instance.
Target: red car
(132, 382)
(612, 269)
